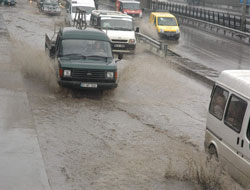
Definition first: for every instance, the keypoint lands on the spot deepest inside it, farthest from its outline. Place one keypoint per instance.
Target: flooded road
(146, 134)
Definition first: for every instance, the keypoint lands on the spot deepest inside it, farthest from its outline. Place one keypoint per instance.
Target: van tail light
(116, 75)
(60, 72)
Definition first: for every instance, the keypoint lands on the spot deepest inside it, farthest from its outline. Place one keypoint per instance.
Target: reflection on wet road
(211, 51)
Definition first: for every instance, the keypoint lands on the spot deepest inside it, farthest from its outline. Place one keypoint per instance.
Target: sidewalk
(21, 162)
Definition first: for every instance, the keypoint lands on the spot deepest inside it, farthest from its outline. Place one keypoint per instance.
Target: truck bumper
(170, 35)
(52, 12)
(78, 85)
(124, 48)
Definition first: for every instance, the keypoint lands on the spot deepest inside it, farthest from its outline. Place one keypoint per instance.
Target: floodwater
(146, 134)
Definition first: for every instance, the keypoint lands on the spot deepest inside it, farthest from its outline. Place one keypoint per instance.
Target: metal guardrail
(220, 18)
(160, 47)
(216, 28)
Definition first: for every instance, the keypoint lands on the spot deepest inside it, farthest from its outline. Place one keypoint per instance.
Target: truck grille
(119, 41)
(88, 74)
(169, 32)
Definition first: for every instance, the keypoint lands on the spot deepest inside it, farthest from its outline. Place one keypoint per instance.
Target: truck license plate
(88, 85)
(119, 45)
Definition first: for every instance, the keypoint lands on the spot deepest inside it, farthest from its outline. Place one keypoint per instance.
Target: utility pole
(243, 18)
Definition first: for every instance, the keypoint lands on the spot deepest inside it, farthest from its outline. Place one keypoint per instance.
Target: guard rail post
(164, 48)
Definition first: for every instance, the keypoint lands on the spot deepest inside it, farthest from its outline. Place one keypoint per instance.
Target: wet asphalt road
(213, 52)
(149, 128)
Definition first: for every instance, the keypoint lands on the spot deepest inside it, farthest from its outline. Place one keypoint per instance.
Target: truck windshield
(131, 6)
(117, 24)
(166, 21)
(87, 9)
(85, 48)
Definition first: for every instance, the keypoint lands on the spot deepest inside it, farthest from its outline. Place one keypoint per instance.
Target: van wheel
(212, 151)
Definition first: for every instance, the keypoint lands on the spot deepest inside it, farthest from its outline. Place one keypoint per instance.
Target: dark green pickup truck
(83, 58)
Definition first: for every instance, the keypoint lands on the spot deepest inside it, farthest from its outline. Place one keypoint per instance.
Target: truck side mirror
(137, 30)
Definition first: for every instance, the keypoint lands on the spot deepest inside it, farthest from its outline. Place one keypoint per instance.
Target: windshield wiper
(75, 55)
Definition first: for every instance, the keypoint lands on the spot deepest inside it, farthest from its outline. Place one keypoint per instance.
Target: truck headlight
(177, 30)
(110, 75)
(67, 73)
(131, 41)
(161, 31)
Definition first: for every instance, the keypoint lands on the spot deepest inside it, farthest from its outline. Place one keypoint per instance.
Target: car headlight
(161, 31)
(67, 73)
(110, 75)
(177, 30)
(131, 41)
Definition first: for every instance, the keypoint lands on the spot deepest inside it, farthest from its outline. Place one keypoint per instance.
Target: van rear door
(244, 146)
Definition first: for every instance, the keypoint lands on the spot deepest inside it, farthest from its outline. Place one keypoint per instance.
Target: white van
(119, 28)
(71, 5)
(228, 123)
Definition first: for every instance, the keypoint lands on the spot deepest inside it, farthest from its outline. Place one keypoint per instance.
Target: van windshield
(84, 48)
(87, 9)
(131, 6)
(166, 21)
(117, 24)
(51, 2)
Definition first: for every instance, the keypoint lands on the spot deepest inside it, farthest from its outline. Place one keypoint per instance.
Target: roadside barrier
(157, 47)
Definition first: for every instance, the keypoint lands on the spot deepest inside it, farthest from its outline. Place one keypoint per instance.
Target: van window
(117, 24)
(155, 20)
(218, 102)
(235, 113)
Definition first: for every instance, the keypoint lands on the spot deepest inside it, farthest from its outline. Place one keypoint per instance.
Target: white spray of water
(35, 64)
